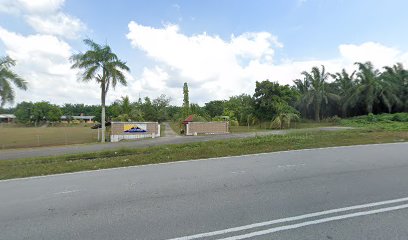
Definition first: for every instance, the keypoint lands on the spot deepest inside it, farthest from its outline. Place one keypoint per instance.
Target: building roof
(79, 117)
(7, 116)
(188, 119)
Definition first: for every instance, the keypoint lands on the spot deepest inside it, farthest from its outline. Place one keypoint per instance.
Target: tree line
(317, 95)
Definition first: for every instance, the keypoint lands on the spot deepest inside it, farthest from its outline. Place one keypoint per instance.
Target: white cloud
(59, 24)
(208, 62)
(43, 60)
(217, 68)
(45, 16)
(31, 6)
(379, 54)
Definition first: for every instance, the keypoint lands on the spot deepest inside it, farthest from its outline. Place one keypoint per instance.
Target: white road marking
(291, 165)
(65, 192)
(290, 219)
(318, 221)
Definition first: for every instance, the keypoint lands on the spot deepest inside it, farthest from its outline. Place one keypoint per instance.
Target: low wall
(194, 128)
(134, 130)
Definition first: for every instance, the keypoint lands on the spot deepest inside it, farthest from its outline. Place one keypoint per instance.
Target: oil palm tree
(302, 87)
(285, 115)
(104, 66)
(125, 105)
(344, 84)
(318, 92)
(398, 76)
(7, 79)
(372, 88)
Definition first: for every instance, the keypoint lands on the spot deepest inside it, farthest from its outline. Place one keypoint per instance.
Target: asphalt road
(170, 138)
(355, 192)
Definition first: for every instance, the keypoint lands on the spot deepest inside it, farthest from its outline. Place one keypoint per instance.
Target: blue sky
(271, 39)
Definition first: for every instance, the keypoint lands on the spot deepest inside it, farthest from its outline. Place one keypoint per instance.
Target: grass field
(21, 137)
(171, 153)
(388, 122)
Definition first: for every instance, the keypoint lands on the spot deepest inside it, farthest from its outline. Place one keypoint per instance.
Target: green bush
(400, 117)
(335, 119)
(371, 118)
(234, 123)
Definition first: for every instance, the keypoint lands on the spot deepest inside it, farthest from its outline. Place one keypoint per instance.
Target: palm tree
(372, 88)
(398, 76)
(101, 64)
(125, 105)
(7, 78)
(285, 114)
(344, 85)
(302, 86)
(317, 92)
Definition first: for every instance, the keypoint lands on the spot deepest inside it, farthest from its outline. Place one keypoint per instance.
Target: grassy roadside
(170, 153)
(294, 125)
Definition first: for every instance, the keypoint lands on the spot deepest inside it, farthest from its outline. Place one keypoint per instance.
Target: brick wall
(207, 128)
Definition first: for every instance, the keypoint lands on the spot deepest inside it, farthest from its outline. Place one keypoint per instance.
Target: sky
(219, 47)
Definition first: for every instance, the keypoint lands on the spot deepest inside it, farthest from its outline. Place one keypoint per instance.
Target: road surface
(170, 138)
(357, 192)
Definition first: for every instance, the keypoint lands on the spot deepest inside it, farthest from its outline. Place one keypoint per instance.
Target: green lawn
(170, 153)
(22, 137)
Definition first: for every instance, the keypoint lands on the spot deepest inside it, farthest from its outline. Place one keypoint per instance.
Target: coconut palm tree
(7, 79)
(372, 88)
(318, 93)
(101, 64)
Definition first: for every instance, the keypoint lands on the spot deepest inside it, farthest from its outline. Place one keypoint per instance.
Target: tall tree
(186, 101)
(101, 64)
(398, 76)
(269, 95)
(161, 104)
(318, 93)
(215, 108)
(7, 78)
(126, 108)
(240, 108)
(372, 88)
(24, 112)
(344, 84)
(302, 87)
(149, 111)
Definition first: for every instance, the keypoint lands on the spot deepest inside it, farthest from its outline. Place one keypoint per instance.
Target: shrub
(371, 118)
(234, 123)
(400, 117)
(335, 119)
